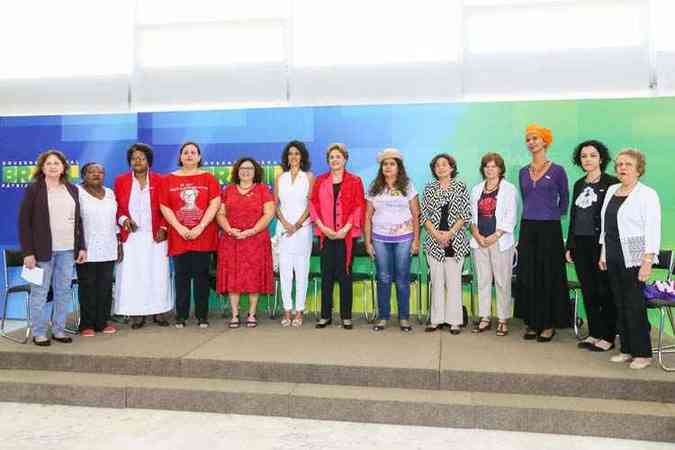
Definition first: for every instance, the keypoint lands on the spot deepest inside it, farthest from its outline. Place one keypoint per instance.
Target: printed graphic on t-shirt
(487, 206)
(189, 214)
(586, 198)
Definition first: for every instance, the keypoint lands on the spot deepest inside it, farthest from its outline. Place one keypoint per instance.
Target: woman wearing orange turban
(541, 297)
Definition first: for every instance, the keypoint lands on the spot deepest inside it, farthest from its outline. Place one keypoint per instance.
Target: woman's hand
(415, 247)
(342, 233)
(328, 232)
(602, 264)
(370, 249)
(120, 252)
(568, 257)
(197, 231)
(81, 257)
(490, 240)
(442, 237)
(29, 261)
(246, 233)
(161, 235)
(645, 271)
(184, 232)
(129, 225)
(289, 227)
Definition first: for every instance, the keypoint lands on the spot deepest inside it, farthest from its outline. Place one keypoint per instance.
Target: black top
(612, 241)
(336, 192)
(445, 226)
(600, 188)
(487, 220)
(587, 206)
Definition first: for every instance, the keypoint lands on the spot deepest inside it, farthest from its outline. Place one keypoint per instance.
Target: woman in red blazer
(142, 284)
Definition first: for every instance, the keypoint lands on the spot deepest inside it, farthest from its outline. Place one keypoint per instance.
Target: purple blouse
(547, 198)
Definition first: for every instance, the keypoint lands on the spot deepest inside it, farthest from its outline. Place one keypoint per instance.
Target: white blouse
(100, 225)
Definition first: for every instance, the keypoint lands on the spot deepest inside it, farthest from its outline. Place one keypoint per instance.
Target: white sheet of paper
(34, 276)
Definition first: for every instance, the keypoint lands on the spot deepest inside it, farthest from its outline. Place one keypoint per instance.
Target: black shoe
(530, 335)
(584, 345)
(46, 343)
(541, 338)
(139, 324)
(431, 328)
(347, 324)
(63, 340)
(455, 331)
(380, 326)
(160, 322)
(323, 323)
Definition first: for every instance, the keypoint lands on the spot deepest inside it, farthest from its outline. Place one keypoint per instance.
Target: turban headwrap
(544, 133)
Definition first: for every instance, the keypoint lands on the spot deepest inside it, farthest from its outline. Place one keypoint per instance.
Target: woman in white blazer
(630, 236)
(494, 210)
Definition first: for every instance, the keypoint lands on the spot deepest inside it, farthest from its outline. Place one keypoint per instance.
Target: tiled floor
(31, 426)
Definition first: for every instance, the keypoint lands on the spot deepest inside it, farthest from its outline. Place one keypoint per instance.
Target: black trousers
(192, 266)
(333, 269)
(598, 301)
(632, 321)
(95, 280)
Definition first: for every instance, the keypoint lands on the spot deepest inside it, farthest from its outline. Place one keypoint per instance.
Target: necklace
(536, 174)
(594, 180)
(488, 190)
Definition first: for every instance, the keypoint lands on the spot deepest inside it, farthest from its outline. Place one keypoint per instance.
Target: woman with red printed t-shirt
(189, 200)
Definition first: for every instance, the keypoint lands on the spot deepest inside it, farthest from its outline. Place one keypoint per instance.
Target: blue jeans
(393, 265)
(58, 272)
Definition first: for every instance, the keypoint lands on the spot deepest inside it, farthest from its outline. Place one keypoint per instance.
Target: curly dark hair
(401, 184)
(39, 175)
(450, 160)
(602, 149)
(257, 178)
(84, 168)
(180, 152)
(146, 150)
(305, 163)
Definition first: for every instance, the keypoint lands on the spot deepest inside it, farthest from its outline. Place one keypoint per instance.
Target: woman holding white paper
(52, 238)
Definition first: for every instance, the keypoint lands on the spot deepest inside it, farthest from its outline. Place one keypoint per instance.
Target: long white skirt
(142, 281)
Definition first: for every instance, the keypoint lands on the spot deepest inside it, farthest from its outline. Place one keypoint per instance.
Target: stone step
(460, 409)
(601, 386)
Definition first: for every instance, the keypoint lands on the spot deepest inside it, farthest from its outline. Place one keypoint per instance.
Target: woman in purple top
(542, 300)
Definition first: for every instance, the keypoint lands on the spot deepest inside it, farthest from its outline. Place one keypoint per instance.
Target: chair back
(665, 260)
(12, 259)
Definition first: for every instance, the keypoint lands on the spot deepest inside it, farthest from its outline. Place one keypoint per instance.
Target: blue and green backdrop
(466, 131)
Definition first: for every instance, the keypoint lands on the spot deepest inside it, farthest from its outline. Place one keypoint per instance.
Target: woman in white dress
(143, 284)
(294, 230)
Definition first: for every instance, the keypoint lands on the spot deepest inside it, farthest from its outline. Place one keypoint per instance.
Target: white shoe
(285, 323)
(621, 358)
(640, 363)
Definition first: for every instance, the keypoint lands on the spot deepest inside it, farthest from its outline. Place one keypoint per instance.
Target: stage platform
(436, 379)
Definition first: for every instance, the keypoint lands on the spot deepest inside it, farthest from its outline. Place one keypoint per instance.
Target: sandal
(296, 323)
(234, 323)
(502, 330)
(285, 323)
(251, 321)
(479, 328)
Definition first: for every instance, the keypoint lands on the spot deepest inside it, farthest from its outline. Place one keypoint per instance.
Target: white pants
(446, 291)
(288, 263)
(491, 263)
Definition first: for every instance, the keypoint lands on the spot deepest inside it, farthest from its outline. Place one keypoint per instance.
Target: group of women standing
(614, 236)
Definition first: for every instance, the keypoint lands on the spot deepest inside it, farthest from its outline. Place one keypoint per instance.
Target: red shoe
(87, 332)
(110, 329)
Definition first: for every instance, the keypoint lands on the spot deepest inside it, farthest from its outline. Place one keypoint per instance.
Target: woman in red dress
(245, 249)
(189, 199)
